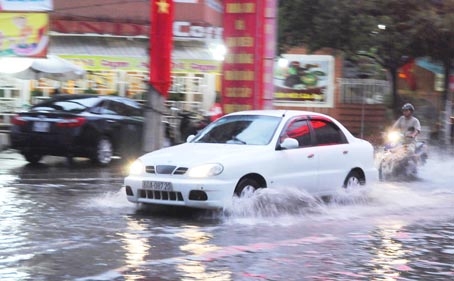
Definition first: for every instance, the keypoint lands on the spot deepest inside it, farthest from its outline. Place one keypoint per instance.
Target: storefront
(120, 66)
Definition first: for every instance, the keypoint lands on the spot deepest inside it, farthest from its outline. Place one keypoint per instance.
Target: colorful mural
(24, 34)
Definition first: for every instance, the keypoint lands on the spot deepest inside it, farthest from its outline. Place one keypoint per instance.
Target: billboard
(304, 80)
(24, 34)
(26, 5)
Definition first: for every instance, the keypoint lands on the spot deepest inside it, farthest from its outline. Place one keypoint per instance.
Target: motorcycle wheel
(385, 170)
(411, 169)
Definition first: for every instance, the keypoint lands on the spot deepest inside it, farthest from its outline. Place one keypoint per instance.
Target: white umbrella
(11, 65)
(52, 67)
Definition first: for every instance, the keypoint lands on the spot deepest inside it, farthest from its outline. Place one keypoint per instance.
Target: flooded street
(74, 223)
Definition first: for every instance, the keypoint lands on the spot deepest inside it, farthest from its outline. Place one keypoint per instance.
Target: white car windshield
(240, 129)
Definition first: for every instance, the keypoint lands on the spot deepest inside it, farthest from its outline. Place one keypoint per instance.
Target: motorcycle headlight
(136, 168)
(206, 170)
(393, 136)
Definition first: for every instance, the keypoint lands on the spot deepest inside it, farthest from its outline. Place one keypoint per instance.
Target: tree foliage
(388, 31)
(436, 34)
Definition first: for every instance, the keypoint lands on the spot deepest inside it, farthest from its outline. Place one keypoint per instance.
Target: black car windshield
(70, 105)
(240, 129)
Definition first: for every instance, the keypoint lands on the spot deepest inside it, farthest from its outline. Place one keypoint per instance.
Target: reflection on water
(12, 236)
(136, 246)
(196, 242)
(388, 255)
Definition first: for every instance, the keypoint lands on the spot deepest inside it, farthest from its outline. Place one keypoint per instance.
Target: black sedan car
(84, 125)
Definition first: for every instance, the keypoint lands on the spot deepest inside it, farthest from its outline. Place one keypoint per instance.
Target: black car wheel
(103, 151)
(353, 181)
(33, 157)
(246, 187)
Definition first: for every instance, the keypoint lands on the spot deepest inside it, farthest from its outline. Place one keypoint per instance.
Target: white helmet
(408, 106)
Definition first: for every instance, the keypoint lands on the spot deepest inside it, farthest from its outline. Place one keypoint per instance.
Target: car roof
(83, 96)
(279, 113)
(291, 113)
(64, 97)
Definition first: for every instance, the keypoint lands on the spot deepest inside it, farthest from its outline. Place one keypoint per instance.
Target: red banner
(239, 85)
(162, 12)
(249, 34)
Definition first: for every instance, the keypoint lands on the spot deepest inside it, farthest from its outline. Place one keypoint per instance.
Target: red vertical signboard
(269, 52)
(249, 37)
(161, 45)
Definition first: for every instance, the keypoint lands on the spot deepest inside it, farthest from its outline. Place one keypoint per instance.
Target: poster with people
(24, 34)
(307, 80)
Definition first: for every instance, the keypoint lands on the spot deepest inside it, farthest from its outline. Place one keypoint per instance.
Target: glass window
(299, 130)
(327, 133)
(240, 129)
(72, 105)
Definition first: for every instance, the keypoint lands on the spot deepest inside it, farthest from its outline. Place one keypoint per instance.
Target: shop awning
(430, 65)
(123, 46)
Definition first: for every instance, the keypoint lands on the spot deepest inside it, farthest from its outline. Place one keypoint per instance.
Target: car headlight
(136, 168)
(206, 170)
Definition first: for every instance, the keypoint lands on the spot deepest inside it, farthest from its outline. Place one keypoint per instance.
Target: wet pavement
(62, 222)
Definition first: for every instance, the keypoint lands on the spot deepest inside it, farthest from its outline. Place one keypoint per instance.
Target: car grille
(166, 170)
(161, 195)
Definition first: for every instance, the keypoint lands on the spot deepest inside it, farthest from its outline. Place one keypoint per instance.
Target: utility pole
(153, 129)
(161, 42)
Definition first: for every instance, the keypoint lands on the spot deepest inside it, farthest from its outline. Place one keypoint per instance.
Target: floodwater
(74, 223)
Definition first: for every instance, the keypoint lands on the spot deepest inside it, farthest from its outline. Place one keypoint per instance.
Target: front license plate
(40, 126)
(157, 185)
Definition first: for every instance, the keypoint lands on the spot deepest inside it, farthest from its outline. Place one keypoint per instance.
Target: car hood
(188, 154)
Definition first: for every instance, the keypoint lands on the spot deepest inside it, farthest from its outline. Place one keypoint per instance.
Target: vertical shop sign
(24, 34)
(269, 43)
(245, 32)
(161, 44)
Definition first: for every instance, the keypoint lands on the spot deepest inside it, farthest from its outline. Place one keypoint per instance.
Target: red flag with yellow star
(161, 45)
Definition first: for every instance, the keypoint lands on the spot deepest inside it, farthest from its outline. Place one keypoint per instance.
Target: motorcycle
(401, 157)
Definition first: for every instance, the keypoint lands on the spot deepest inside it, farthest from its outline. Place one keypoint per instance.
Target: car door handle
(345, 152)
(111, 121)
(310, 155)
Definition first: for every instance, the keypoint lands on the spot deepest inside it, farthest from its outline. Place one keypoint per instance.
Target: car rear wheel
(103, 151)
(246, 187)
(353, 181)
(33, 157)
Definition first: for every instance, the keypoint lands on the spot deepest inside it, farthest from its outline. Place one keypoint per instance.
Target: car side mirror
(190, 138)
(289, 143)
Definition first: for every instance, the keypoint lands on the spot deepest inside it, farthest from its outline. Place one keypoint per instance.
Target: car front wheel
(246, 187)
(33, 157)
(103, 151)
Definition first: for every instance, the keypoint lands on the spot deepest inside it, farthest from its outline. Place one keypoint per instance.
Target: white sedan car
(248, 150)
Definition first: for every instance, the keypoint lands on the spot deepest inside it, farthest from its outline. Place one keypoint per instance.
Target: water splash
(273, 203)
(109, 200)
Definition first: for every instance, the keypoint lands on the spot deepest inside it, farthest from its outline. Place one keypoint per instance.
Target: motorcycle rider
(408, 125)
(401, 159)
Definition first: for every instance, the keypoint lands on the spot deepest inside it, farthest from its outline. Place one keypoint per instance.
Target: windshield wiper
(236, 139)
